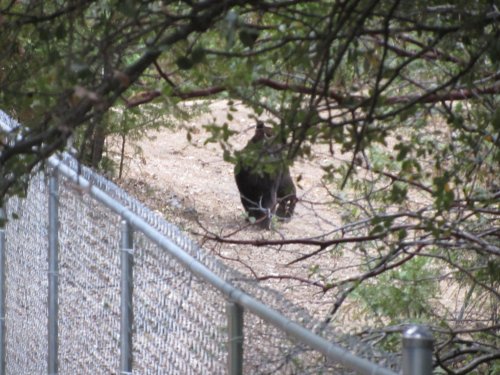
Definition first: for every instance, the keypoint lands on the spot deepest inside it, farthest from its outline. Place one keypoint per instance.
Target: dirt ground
(190, 184)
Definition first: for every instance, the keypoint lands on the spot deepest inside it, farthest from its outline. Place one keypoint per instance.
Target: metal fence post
(235, 339)
(2, 290)
(126, 292)
(417, 351)
(53, 274)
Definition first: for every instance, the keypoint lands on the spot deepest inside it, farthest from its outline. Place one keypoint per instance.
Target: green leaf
(127, 8)
(197, 55)
(399, 192)
(44, 33)
(61, 31)
(184, 63)
(404, 149)
(248, 37)
(377, 229)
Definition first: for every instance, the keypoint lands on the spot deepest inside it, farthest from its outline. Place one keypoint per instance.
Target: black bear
(263, 179)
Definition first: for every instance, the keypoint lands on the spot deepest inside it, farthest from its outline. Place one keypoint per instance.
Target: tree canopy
(408, 89)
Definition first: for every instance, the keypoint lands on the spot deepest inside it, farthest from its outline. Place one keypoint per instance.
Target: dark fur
(265, 193)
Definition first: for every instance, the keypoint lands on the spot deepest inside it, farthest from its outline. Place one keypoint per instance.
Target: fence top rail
(332, 351)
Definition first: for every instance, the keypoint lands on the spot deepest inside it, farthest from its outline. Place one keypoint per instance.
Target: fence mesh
(27, 282)
(89, 291)
(180, 322)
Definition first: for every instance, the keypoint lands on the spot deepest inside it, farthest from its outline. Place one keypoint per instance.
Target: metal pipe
(126, 292)
(331, 351)
(53, 274)
(417, 351)
(235, 338)
(3, 249)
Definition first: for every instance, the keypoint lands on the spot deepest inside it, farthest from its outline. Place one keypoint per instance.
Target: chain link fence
(180, 321)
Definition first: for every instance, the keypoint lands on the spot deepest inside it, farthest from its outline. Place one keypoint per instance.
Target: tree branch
(458, 94)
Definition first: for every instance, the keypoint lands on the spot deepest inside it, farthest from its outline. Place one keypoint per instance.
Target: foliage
(403, 293)
(407, 90)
